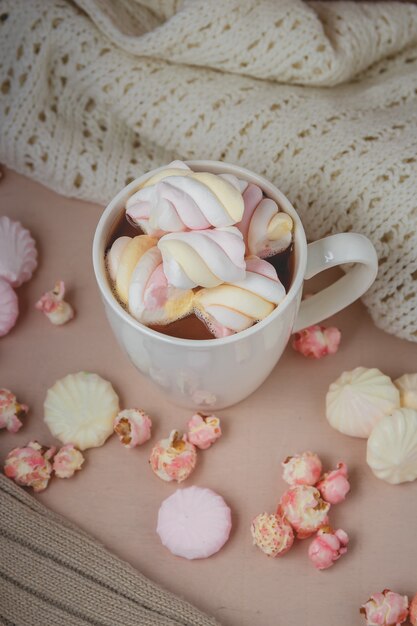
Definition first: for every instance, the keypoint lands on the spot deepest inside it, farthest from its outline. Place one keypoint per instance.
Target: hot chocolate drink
(200, 256)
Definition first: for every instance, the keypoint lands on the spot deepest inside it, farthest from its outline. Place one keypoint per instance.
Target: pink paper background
(116, 496)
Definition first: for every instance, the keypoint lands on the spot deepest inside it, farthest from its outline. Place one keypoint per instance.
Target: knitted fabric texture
(53, 573)
(318, 97)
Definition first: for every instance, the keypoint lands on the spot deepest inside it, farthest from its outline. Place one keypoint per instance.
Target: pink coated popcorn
(317, 341)
(386, 608)
(272, 534)
(327, 547)
(30, 466)
(173, 458)
(203, 430)
(52, 303)
(334, 486)
(133, 427)
(11, 411)
(305, 510)
(67, 461)
(302, 469)
(413, 611)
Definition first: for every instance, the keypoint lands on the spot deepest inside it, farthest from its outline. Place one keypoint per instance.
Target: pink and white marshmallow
(302, 469)
(203, 258)
(385, 608)
(305, 510)
(272, 534)
(179, 199)
(317, 341)
(53, 305)
(151, 300)
(334, 486)
(11, 411)
(266, 230)
(30, 466)
(328, 546)
(235, 306)
(67, 461)
(133, 426)
(173, 458)
(203, 430)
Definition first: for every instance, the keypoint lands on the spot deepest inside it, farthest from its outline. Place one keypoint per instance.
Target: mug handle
(326, 253)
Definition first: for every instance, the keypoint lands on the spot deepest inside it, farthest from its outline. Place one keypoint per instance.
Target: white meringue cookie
(358, 399)
(407, 386)
(203, 258)
(392, 447)
(189, 201)
(233, 307)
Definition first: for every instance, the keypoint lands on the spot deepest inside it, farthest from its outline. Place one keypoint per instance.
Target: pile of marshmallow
(303, 510)
(205, 241)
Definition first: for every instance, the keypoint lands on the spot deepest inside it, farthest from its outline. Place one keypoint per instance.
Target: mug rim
(112, 210)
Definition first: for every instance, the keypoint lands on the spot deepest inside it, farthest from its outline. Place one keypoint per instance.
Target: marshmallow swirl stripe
(236, 306)
(266, 229)
(204, 258)
(179, 200)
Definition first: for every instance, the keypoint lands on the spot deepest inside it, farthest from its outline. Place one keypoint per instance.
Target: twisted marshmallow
(173, 202)
(266, 229)
(204, 258)
(230, 308)
(150, 299)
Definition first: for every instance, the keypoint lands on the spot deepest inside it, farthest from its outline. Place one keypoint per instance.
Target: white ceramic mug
(213, 374)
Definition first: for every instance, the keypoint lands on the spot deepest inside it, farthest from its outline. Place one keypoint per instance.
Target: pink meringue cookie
(9, 307)
(317, 341)
(203, 430)
(204, 258)
(186, 201)
(235, 306)
(272, 534)
(67, 461)
(11, 411)
(413, 611)
(194, 523)
(18, 254)
(133, 427)
(334, 486)
(327, 547)
(302, 469)
(53, 305)
(305, 510)
(173, 458)
(30, 466)
(385, 608)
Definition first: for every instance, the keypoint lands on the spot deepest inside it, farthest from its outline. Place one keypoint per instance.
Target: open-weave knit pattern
(53, 573)
(319, 97)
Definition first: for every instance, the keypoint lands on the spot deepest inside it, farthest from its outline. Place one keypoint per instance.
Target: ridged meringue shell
(407, 386)
(392, 447)
(9, 307)
(194, 523)
(18, 255)
(80, 409)
(358, 399)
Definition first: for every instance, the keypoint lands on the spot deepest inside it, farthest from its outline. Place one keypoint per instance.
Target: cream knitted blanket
(319, 97)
